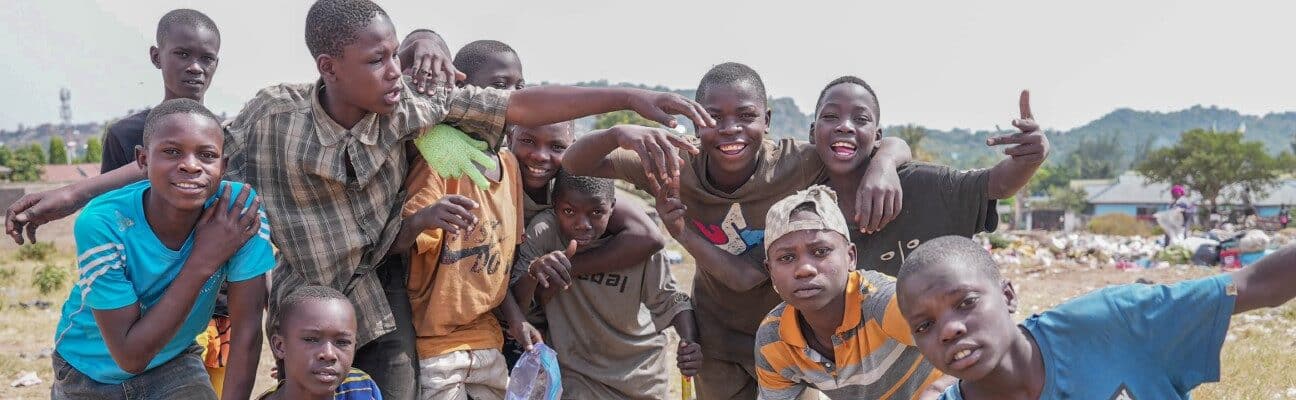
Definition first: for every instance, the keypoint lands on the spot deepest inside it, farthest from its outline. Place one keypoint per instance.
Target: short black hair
(877, 104)
(472, 56)
(333, 24)
(946, 249)
(599, 188)
(306, 294)
(174, 106)
(731, 73)
(568, 126)
(184, 17)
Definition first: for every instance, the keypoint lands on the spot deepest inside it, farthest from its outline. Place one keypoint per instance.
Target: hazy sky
(938, 63)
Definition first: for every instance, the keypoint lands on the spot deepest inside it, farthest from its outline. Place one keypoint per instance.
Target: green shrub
(38, 251)
(7, 275)
(50, 278)
(1119, 225)
(998, 241)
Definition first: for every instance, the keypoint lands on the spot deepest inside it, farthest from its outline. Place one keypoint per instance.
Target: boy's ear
(141, 157)
(1010, 296)
(327, 66)
(155, 56)
(853, 255)
(811, 133)
(277, 348)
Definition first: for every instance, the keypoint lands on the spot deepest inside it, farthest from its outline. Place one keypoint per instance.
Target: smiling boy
(1136, 341)
(152, 256)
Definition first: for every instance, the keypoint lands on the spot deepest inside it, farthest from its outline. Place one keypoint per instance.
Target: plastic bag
(535, 376)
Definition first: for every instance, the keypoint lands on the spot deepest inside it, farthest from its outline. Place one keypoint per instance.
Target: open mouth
(965, 358)
(193, 82)
(843, 149)
(392, 96)
(538, 172)
(326, 376)
(732, 149)
(194, 188)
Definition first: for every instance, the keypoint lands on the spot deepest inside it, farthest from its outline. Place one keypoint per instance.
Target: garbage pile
(1225, 249)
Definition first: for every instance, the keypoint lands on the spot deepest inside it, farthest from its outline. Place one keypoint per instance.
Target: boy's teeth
(844, 144)
(731, 147)
(962, 354)
(535, 170)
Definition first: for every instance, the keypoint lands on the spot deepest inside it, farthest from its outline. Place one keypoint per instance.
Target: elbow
(747, 284)
(131, 366)
(655, 243)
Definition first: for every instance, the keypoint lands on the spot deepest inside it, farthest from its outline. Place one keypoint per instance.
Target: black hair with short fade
(947, 249)
(472, 56)
(307, 294)
(333, 24)
(599, 188)
(184, 17)
(174, 106)
(731, 73)
(877, 106)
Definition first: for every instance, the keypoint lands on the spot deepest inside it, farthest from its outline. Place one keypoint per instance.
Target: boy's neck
(824, 322)
(729, 184)
(288, 391)
(1019, 376)
(170, 225)
(539, 195)
(337, 110)
(846, 185)
(167, 95)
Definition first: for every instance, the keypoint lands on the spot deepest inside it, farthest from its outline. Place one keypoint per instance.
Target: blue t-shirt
(120, 262)
(1132, 341)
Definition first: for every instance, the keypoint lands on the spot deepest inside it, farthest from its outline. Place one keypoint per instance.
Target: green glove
(452, 153)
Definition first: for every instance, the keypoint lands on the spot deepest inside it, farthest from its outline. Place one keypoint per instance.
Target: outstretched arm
(543, 105)
(1031, 149)
(1271, 282)
(33, 210)
(658, 151)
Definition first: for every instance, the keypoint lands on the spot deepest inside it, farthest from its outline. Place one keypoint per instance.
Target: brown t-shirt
(938, 201)
(734, 222)
(607, 327)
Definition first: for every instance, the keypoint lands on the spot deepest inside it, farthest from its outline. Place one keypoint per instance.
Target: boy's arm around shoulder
(635, 238)
(653, 155)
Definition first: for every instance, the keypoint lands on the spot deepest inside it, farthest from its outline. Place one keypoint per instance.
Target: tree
(624, 117)
(1095, 158)
(57, 151)
(1210, 161)
(1066, 198)
(26, 164)
(914, 135)
(1047, 178)
(94, 151)
(6, 155)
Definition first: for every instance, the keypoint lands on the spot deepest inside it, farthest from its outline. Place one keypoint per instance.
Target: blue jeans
(181, 378)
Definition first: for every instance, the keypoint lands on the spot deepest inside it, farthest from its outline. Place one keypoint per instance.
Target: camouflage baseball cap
(778, 221)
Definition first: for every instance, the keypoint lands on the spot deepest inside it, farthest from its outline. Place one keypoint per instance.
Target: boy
(539, 150)
(838, 329)
(186, 53)
(152, 256)
(607, 328)
(1122, 342)
(313, 345)
(938, 200)
(330, 157)
(727, 188)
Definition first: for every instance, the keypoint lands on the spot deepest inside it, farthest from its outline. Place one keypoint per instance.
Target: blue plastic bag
(535, 376)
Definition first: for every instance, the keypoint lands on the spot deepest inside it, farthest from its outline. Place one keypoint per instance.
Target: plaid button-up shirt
(333, 226)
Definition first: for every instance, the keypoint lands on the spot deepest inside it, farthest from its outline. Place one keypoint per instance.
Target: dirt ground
(1257, 357)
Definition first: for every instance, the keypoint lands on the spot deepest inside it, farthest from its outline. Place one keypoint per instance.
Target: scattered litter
(26, 379)
(37, 304)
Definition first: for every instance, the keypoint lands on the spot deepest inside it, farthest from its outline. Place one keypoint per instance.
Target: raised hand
(657, 148)
(671, 209)
(451, 213)
(429, 63)
(554, 268)
(1031, 144)
(35, 209)
(223, 228)
(658, 106)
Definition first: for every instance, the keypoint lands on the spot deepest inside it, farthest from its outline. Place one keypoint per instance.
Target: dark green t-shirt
(938, 201)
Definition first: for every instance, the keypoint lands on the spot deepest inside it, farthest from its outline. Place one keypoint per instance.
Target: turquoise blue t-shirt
(1132, 341)
(120, 262)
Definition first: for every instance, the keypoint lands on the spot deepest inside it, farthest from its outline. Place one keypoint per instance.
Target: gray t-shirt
(938, 201)
(607, 328)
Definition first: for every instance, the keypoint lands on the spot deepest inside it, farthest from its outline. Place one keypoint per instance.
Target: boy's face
(809, 269)
(960, 318)
(845, 128)
(316, 345)
(502, 71)
(742, 120)
(187, 57)
(582, 217)
(367, 75)
(540, 151)
(183, 160)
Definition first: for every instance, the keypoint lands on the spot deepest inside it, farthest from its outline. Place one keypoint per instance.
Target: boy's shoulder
(130, 127)
(124, 199)
(770, 330)
(276, 99)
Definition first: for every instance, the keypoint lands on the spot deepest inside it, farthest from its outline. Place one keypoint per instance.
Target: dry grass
(1257, 357)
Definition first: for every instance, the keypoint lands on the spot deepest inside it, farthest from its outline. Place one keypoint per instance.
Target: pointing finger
(1024, 104)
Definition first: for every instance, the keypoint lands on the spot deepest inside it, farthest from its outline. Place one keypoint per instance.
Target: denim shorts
(181, 378)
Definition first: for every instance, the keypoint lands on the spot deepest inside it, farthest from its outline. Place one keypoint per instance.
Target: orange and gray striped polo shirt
(875, 353)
